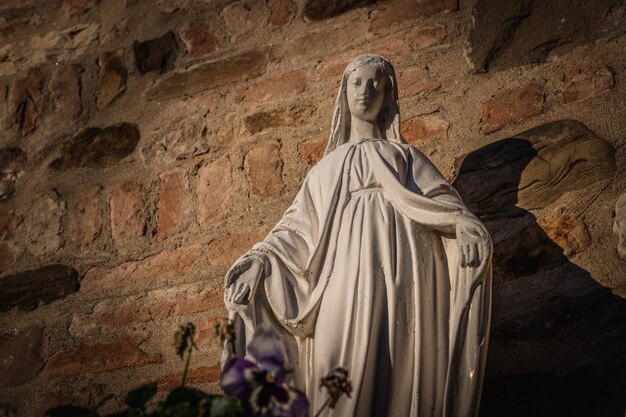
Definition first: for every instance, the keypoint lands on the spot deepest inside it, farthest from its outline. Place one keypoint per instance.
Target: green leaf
(70, 411)
(184, 409)
(181, 395)
(226, 407)
(138, 398)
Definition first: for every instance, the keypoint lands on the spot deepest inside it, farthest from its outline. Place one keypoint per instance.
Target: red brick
(395, 12)
(285, 85)
(99, 358)
(213, 191)
(199, 39)
(201, 375)
(7, 258)
(205, 331)
(312, 150)
(128, 218)
(65, 89)
(427, 127)
(43, 224)
(158, 304)
(281, 11)
(173, 205)
(511, 107)
(416, 80)
(582, 85)
(238, 20)
(157, 268)
(264, 168)
(225, 249)
(85, 216)
(22, 102)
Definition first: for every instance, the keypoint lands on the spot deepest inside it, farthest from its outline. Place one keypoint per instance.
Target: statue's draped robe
(362, 272)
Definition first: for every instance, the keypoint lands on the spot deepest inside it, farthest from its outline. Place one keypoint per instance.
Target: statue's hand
(472, 240)
(242, 279)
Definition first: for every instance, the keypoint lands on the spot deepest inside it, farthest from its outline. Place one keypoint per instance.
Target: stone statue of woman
(377, 267)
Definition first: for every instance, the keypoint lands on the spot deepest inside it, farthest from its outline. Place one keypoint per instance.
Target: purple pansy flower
(261, 383)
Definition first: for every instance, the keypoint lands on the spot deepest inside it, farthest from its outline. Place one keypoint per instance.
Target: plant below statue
(255, 387)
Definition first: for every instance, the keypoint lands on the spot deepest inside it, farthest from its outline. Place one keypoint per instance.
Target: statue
(619, 226)
(376, 267)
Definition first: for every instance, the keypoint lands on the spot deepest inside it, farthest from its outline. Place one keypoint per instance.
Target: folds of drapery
(298, 255)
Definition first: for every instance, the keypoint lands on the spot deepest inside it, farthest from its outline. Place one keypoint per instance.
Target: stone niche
(508, 33)
(557, 335)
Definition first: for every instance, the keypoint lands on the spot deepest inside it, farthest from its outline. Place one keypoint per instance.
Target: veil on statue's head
(389, 117)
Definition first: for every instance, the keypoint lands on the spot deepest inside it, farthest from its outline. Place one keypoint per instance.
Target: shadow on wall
(557, 336)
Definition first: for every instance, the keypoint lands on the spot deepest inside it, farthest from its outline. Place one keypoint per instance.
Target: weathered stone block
(96, 147)
(238, 20)
(582, 85)
(85, 216)
(396, 12)
(511, 107)
(156, 54)
(98, 358)
(65, 89)
(213, 191)
(427, 127)
(281, 11)
(7, 258)
(24, 94)
(208, 75)
(267, 119)
(62, 46)
(21, 355)
(156, 268)
(264, 167)
(533, 169)
(12, 163)
(567, 230)
(199, 39)
(325, 9)
(180, 141)
(285, 85)
(128, 211)
(510, 33)
(25, 290)
(112, 76)
(43, 224)
(78, 7)
(173, 204)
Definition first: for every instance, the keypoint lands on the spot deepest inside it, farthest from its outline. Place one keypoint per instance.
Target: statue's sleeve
(296, 251)
(429, 182)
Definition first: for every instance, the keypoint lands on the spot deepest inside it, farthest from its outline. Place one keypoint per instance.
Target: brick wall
(145, 145)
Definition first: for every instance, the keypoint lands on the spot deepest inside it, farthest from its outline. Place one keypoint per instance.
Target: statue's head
(368, 91)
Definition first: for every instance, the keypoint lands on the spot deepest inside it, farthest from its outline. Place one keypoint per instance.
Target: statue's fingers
(473, 255)
(462, 256)
(242, 294)
(481, 252)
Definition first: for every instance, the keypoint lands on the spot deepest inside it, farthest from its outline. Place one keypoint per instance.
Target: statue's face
(366, 92)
